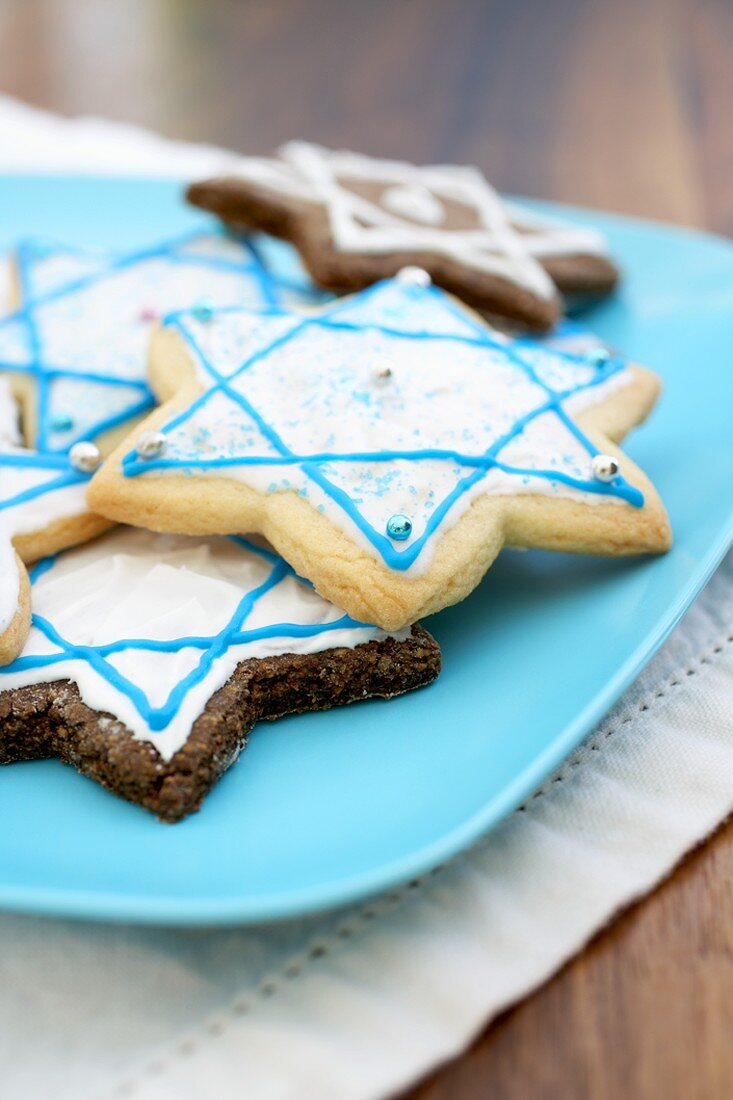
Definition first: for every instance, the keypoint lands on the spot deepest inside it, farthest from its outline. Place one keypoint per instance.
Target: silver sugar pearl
(605, 467)
(85, 456)
(150, 444)
(414, 276)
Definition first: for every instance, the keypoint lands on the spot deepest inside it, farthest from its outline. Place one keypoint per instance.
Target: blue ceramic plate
(323, 809)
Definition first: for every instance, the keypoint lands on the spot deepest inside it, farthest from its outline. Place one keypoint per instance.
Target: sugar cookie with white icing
(358, 219)
(73, 354)
(388, 445)
(152, 656)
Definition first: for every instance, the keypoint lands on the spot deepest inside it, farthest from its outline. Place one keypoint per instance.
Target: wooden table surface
(621, 104)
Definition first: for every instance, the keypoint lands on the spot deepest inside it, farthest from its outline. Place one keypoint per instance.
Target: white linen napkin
(354, 1005)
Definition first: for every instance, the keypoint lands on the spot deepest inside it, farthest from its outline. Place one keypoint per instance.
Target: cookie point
(399, 527)
(150, 444)
(605, 467)
(85, 457)
(414, 276)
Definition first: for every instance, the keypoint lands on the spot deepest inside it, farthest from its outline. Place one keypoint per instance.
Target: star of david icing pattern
(74, 356)
(396, 402)
(254, 598)
(356, 219)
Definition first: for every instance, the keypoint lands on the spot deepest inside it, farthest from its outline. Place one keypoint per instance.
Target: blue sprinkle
(599, 356)
(203, 309)
(62, 422)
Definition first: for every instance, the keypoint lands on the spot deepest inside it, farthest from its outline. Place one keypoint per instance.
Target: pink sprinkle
(148, 314)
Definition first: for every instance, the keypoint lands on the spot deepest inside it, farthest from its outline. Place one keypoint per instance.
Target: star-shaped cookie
(151, 657)
(387, 445)
(74, 356)
(357, 219)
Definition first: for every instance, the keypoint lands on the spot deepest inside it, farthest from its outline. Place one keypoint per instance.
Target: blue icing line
(30, 254)
(234, 633)
(38, 490)
(400, 326)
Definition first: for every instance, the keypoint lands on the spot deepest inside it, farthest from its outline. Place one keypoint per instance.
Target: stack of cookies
(302, 460)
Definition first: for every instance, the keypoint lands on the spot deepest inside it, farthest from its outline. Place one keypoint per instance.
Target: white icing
(416, 202)
(313, 174)
(317, 392)
(135, 584)
(548, 236)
